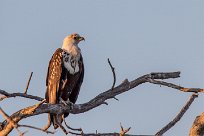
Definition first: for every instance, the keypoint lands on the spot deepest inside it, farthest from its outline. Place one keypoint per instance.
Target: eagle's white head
(70, 43)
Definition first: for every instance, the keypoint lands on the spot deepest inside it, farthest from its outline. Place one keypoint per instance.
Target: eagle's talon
(67, 103)
(70, 104)
(62, 101)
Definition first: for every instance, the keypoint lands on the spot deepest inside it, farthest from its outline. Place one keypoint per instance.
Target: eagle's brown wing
(53, 81)
(53, 77)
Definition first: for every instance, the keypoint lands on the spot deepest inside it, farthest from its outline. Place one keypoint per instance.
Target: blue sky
(139, 37)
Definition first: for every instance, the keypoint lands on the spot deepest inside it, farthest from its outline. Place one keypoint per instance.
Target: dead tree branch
(111, 134)
(114, 77)
(40, 129)
(178, 117)
(113, 71)
(80, 108)
(8, 95)
(8, 119)
(26, 89)
(183, 89)
(123, 131)
(12, 122)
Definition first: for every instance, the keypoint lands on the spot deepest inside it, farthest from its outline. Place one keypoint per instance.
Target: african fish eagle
(65, 75)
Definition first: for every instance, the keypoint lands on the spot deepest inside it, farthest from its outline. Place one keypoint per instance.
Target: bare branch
(26, 89)
(75, 129)
(7, 118)
(28, 126)
(197, 128)
(123, 87)
(123, 131)
(8, 95)
(13, 124)
(195, 90)
(113, 71)
(178, 117)
(111, 134)
(114, 77)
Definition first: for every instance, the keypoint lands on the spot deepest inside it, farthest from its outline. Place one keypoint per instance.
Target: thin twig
(77, 134)
(75, 129)
(8, 95)
(111, 134)
(123, 131)
(40, 103)
(28, 126)
(7, 117)
(24, 132)
(26, 89)
(179, 116)
(114, 75)
(116, 98)
(183, 89)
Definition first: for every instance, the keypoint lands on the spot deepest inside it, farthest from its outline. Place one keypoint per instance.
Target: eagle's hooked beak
(81, 39)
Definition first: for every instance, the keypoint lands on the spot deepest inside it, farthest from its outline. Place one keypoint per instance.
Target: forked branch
(95, 102)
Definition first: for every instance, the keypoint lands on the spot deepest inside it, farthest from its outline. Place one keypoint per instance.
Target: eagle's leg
(62, 101)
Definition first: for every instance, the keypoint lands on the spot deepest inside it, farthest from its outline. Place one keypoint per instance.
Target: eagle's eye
(75, 37)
